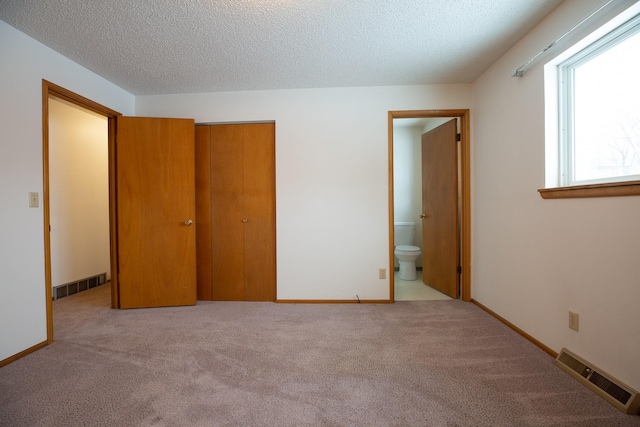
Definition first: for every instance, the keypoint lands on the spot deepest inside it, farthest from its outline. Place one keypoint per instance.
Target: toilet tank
(403, 233)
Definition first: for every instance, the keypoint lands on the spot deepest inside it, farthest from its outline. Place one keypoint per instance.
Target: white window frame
(553, 187)
(566, 102)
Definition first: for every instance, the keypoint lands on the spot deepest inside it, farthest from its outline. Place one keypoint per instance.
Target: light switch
(33, 200)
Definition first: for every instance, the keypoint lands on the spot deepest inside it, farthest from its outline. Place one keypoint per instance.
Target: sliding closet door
(259, 211)
(227, 198)
(236, 194)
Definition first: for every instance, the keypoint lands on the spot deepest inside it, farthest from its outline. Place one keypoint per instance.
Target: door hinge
(459, 269)
(458, 137)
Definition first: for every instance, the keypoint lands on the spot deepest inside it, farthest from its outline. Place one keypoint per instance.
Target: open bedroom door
(440, 235)
(155, 212)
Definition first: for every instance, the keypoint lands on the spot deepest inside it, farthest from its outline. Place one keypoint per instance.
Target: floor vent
(613, 391)
(71, 288)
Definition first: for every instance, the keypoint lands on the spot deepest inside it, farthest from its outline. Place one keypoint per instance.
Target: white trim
(559, 88)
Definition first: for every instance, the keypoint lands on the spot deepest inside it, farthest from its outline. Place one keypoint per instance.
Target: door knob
(423, 216)
(245, 220)
(188, 222)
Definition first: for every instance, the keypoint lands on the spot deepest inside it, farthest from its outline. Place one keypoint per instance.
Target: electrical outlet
(382, 273)
(573, 320)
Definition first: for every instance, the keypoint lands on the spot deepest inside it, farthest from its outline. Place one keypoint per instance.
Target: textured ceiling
(172, 46)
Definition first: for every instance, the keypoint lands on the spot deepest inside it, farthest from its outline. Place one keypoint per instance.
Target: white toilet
(406, 253)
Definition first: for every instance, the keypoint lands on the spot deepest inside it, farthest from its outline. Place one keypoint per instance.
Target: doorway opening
(78, 198)
(463, 173)
(50, 92)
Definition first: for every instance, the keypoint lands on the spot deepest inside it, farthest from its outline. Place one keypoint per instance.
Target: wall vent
(71, 288)
(613, 391)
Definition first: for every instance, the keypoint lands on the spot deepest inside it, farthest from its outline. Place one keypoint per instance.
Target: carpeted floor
(422, 363)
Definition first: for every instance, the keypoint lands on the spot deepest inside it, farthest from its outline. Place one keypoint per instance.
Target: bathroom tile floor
(415, 290)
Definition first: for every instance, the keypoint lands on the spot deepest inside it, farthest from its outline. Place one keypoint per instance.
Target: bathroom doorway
(406, 197)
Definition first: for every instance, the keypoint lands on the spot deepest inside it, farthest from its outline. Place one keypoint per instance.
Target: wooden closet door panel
(260, 211)
(227, 228)
(203, 212)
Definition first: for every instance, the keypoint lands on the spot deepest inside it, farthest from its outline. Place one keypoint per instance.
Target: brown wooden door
(155, 203)
(227, 201)
(440, 241)
(259, 211)
(204, 235)
(236, 195)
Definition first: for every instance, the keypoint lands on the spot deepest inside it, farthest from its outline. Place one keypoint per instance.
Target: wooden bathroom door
(440, 238)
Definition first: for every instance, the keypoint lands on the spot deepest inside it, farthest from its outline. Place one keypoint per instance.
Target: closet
(235, 212)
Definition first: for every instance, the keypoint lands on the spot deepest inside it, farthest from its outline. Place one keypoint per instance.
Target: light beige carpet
(423, 363)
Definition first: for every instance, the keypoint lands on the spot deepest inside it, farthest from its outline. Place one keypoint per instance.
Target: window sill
(612, 189)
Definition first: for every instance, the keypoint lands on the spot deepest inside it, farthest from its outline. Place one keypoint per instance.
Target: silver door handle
(188, 222)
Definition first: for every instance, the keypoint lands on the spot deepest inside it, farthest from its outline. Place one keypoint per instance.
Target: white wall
(331, 176)
(78, 193)
(534, 259)
(407, 178)
(23, 64)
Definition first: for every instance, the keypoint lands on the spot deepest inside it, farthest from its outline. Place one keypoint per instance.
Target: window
(599, 110)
